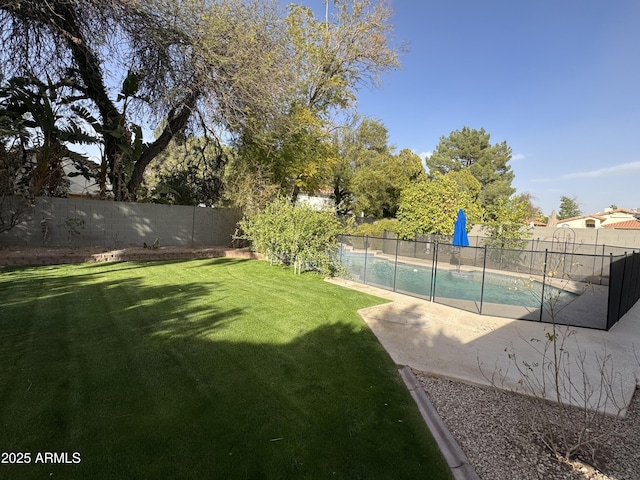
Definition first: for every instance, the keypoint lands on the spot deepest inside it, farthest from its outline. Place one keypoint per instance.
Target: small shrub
(377, 228)
(295, 235)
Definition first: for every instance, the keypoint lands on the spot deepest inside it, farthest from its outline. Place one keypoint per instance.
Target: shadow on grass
(169, 380)
(227, 261)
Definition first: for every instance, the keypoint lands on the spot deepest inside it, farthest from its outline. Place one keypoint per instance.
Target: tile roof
(627, 225)
(618, 210)
(592, 215)
(536, 223)
(603, 216)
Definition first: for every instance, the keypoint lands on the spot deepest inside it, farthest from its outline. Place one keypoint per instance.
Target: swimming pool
(418, 280)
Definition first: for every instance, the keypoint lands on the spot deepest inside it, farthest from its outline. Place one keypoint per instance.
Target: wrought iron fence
(561, 286)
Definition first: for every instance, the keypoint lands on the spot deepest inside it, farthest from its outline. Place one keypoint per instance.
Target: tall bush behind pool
(295, 235)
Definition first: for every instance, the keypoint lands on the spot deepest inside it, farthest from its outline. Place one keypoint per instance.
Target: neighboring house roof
(619, 218)
(78, 183)
(594, 216)
(536, 223)
(617, 210)
(626, 225)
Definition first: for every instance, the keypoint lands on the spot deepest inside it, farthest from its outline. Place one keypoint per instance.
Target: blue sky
(558, 80)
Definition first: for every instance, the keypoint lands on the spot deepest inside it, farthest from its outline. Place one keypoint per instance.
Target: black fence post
(484, 268)
(544, 279)
(475, 254)
(531, 261)
(610, 320)
(602, 266)
(434, 271)
(622, 292)
(395, 267)
(366, 249)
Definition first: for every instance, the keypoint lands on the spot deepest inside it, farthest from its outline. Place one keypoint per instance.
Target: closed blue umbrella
(460, 238)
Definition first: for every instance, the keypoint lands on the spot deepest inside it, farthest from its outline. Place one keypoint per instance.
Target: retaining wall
(83, 222)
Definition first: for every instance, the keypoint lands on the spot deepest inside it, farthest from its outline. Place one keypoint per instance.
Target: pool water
(464, 285)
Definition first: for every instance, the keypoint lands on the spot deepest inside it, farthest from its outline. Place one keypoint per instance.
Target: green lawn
(199, 369)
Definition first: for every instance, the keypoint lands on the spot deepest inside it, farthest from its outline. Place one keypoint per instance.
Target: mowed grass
(199, 369)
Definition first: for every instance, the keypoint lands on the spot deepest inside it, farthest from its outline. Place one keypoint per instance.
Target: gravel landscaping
(490, 428)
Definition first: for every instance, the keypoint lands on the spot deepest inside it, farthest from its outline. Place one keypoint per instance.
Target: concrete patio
(448, 342)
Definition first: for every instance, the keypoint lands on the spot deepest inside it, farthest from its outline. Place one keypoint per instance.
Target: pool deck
(464, 346)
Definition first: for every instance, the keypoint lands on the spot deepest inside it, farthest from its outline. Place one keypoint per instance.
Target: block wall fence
(120, 224)
(53, 221)
(629, 239)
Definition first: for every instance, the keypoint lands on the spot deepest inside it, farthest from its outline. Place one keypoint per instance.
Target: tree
(188, 172)
(331, 59)
(249, 188)
(431, 206)
(353, 143)
(533, 212)
(185, 64)
(367, 176)
(471, 149)
(42, 124)
(13, 208)
(373, 180)
(506, 222)
(340, 53)
(296, 154)
(379, 181)
(568, 208)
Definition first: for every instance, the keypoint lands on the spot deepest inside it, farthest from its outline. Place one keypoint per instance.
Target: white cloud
(624, 169)
(518, 156)
(424, 155)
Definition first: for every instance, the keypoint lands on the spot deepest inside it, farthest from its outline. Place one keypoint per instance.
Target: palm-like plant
(40, 117)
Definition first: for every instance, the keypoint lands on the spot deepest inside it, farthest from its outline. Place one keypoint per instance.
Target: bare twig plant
(571, 393)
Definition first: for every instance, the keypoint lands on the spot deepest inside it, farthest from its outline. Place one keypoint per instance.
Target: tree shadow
(163, 381)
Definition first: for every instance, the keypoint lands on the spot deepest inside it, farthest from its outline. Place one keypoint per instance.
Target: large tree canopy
(367, 176)
(506, 220)
(331, 58)
(431, 205)
(224, 69)
(569, 208)
(170, 62)
(472, 149)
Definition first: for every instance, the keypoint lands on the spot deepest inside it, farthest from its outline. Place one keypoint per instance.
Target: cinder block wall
(597, 236)
(543, 237)
(53, 221)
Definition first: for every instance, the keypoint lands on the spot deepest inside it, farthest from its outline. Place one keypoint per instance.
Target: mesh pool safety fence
(570, 288)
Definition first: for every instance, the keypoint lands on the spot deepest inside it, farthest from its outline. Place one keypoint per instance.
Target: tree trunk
(176, 123)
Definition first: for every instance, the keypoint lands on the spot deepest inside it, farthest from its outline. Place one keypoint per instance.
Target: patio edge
(451, 450)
